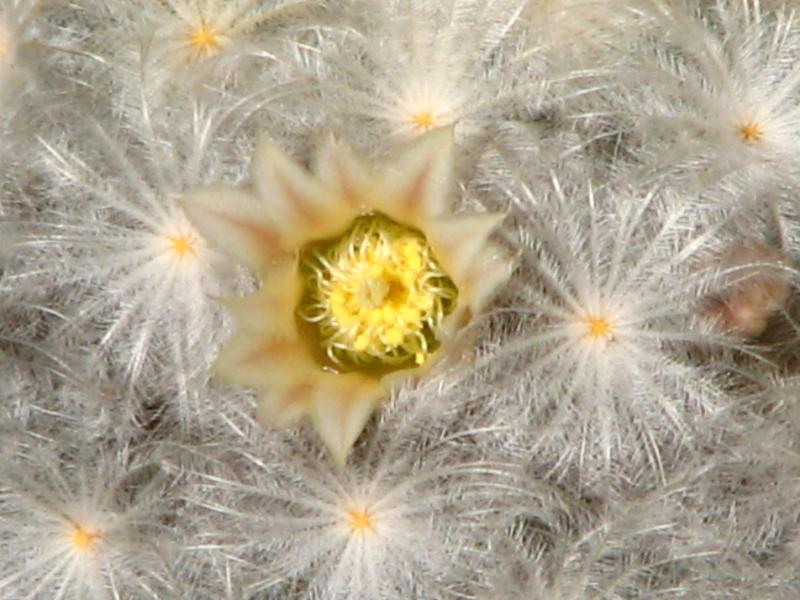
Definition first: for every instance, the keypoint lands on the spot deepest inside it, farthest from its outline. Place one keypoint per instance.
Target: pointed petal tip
(419, 181)
(493, 219)
(331, 139)
(264, 143)
(340, 413)
(339, 456)
(461, 240)
(441, 139)
(333, 148)
(492, 271)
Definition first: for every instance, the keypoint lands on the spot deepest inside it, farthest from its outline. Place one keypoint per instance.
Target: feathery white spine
(66, 535)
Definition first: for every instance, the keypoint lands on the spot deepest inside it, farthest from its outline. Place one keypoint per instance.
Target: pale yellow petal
(270, 310)
(262, 362)
(418, 184)
(341, 408)
(490, 271)
(284, 407)
(458, 241)
(346, 175)
(305, 208)
(232, 222)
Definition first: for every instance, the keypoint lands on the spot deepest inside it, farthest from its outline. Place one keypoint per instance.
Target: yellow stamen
(182, 245)
(375, 296)
(84, 539)
(423, 120)
(750, 132)
(598, 327)
(360, 520)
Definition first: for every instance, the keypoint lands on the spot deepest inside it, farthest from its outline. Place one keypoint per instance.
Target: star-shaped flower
(366, 276)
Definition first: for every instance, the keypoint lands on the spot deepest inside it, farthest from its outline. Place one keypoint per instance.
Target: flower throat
(373, 297)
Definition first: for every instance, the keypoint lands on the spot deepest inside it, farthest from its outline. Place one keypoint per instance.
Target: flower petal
(282, 408)
(230, 220)
(418, 184)
(270, 310)
(458, 241)
(341, 408)
(339, 169)
(491, 269)
(263, 362)
(304, 208)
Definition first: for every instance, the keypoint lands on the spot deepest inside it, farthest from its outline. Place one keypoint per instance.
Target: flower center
(750, 132)
(375, 296)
